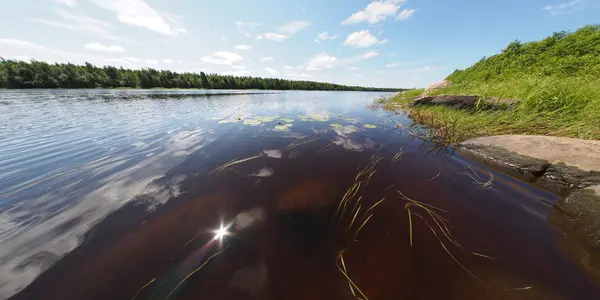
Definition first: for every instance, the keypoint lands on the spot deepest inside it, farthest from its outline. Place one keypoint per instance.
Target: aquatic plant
(232, 163)
(433, 213)
(480, 182)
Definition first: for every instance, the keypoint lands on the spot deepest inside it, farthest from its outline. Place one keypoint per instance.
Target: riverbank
(566, 107)
(556, 81)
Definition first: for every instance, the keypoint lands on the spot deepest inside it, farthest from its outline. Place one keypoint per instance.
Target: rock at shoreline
(465, 101)
(437, 85)
(567, 166)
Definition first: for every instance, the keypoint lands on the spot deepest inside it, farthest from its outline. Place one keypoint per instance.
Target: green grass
(557, 81)
(549, 106)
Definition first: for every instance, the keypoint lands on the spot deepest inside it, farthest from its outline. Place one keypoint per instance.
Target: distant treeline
(36, 74)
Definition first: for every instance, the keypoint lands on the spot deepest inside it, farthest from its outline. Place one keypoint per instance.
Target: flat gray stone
(465, 101)
(582, 154)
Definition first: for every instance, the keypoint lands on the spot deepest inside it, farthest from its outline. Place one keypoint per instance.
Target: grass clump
(557, 81)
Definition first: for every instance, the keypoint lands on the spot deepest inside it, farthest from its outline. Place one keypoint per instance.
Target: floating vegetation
(227, 121)
(480, 182)
(286, 120)
(280, 128)
(398, 155)
(335, 125)
(342, 267)
(266, 119)
(233, 163)
(370, 126)
(351, 120)
(288, 125)
(252, 122)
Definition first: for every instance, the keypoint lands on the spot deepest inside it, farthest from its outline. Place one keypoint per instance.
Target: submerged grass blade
(232, 163)
(375, 205)
(446, 249)
(410, 227)
(361, 226)
(142, 288)
(192, 273)
(344, 272)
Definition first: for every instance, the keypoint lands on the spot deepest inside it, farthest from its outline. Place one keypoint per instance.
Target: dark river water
(250, 195)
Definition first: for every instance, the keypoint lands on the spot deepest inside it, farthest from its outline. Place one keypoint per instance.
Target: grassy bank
(557, 81)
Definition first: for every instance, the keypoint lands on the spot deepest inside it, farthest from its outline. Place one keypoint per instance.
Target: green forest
(37, 74)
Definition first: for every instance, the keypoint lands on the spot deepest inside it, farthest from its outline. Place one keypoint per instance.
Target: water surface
(105, 191)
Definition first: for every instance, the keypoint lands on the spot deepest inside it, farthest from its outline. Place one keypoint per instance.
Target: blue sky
(385, 43)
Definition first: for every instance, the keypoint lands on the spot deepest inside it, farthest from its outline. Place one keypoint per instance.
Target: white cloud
(12, 48)
(223, 38)
(424, 69)
(264, 59)
(242, 27)
(239, 67)
(237, 73)
(353, 69)
(299, 75)
(320, 61)
(287, 67)
(566, 8)
(273, 37)
(394, 65)
(362, 39)
(152, 62)
(139, 13)
(71, 3)
(357, 75)
(284, 31)
(102, 48)
(405, 14)
(366, 55)
(243, 47)
(271, 71)
(170, 61)
(292, 27)
(323, 36)
(83, 24)
(375, 12)
(132, 59)
(222, 58)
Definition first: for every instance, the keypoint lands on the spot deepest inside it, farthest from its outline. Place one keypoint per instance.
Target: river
(169, 194)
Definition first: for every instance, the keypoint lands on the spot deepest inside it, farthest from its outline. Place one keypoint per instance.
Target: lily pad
(280, 128)
(287, 120)
(266, 119)
(336, 125)
(369, 126)
(252, 122)
(288, 125)
(319, 119)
